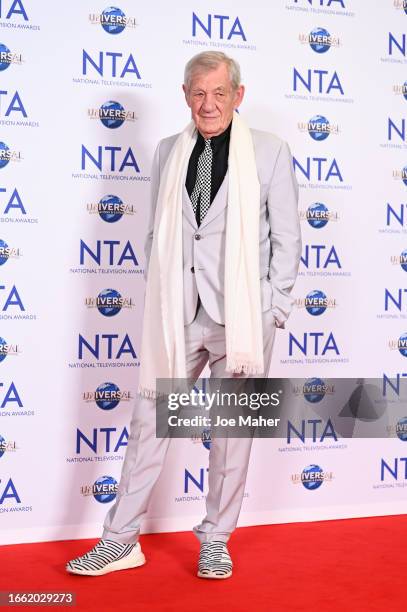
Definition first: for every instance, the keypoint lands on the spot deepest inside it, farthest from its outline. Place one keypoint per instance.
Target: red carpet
(354, 565)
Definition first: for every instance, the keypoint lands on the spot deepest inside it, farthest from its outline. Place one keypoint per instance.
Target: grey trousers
(145, 454)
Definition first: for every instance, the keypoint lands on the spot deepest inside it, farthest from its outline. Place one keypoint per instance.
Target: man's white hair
(210, 60)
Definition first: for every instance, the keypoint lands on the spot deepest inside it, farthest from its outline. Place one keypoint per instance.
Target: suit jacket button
(193, 270)
(197, 236)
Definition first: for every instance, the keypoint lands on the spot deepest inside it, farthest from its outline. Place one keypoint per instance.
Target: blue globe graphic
(401, 429)
(112, 118)
(105, 489)
(108, 20)
(311, 485)
(402, 344)
(105, 396)
(108, 302)
(405, 86)
(4, 63)
(404, 175)
(3, 353)
(315, 302)
(206, 438)
(3, 252)
(403, 260)
(2, 446)
(314, 390)
(4, 159)
(318, 133)
(317, 42)
(317, 215)
(110, 208)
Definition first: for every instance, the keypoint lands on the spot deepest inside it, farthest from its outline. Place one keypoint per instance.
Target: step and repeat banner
(87, 91)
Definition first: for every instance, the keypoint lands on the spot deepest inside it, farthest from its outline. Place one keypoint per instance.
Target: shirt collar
(216, 141)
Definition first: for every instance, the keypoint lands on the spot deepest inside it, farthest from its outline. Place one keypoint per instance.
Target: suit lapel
(187, 209)
(219, 203)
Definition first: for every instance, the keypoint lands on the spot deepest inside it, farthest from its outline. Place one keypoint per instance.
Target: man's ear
(186, 95)
(239, 96)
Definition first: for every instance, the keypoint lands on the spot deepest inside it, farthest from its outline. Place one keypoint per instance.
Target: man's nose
(208, 103)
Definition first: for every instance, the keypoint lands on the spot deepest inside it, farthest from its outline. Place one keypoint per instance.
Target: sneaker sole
(115, 566)
(212, 576)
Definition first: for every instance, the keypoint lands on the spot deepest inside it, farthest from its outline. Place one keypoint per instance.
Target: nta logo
(219, 26)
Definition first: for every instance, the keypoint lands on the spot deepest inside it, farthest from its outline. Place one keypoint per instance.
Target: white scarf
(163, 341)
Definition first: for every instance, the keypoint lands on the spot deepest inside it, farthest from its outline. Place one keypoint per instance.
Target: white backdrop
(59, 67)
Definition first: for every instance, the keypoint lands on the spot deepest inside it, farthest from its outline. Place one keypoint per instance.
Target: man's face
(212, 100)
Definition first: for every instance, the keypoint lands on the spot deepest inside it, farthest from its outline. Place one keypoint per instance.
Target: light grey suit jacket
(204, 247)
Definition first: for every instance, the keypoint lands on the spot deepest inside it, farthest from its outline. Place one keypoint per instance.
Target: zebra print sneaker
(214, 560)
(107, 556)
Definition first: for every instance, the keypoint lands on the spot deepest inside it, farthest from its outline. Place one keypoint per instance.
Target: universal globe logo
(401, 4)
(320, 40)
(400, 260)
(318, 215)
(314, 390)
(109, 302)
(401, 175)
(316, 302)
(312, 477)
(107, 396)
(3, 445)
(6, 252)
(10, 446)
(111, 208)
(113, 20)
(6, 155)
(318, 127)
(206, 438)
(104, 489)
(7, 349)
(401, 344)
(401, 90)
(401, 429)
(112, 114)
(7, 57)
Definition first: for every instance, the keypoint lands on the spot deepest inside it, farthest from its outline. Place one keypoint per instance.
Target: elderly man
(224, 227)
